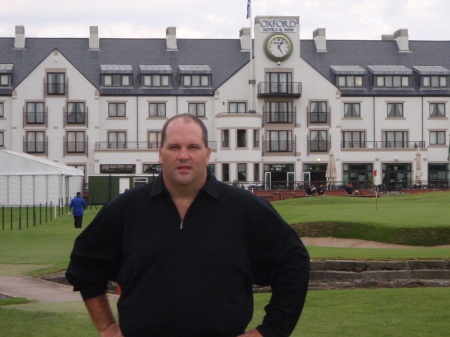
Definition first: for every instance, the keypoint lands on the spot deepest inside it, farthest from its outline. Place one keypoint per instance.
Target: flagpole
(249, 16)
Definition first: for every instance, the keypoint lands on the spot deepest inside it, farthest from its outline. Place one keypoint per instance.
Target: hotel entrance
(279, 176)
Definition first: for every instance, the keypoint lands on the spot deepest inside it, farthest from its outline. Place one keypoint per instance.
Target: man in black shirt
(186, 250)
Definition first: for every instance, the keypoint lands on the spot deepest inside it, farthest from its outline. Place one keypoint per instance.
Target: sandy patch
(355, 243)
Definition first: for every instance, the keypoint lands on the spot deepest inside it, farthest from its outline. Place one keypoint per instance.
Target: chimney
(246, 40)
(401, 37)
(171, 38)
(19, 42)
(320, 40)
(94, 42)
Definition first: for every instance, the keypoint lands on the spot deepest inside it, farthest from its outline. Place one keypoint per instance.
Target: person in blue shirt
(78, 205)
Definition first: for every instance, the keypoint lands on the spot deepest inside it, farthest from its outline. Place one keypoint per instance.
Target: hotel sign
(278, 26)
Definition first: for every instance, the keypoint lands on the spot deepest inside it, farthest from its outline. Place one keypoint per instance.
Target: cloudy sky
(343, 19)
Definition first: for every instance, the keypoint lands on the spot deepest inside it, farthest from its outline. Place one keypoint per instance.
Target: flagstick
(251, 59)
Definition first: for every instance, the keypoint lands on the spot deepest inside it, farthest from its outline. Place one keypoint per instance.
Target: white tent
(29, 180)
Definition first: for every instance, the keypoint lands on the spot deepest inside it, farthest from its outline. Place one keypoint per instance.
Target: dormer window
(5, 74)
(432, 76)
(391, 77)
(348, 76)
(158, 76)
(195, 76)
(113, 75)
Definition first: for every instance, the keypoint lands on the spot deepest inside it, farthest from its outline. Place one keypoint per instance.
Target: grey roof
(224, 58)
(6, 68)
(348, 70)
(155, 69)
(389, 70)
(381, 53)
(116, 69)
(431, 70)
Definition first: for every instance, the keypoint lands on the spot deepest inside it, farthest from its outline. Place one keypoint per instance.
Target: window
(280, 141)
(225, 138)
(76, 113)
(279, 82)
(2, 139)
(437, 110)
(437, 137)
(5, 80)
(238, 108)
(279, 112)
(56, 83)
(116, 80)
(242, 172)
(154, 139)
(396, 139)
(116, 110)
(395, 109)
(389, 81)
(353, 139)
(125, 169)
(241, 138)
(318, 141)
(349, 81)
(434, 81)
(256, 172)
(2, 109)
(225, 172)
(117, 140)
(196, 109)
(75, 142)
(157, 109)
(318, 112)
(152, 168)
(352, 110)
(35, 113)
(155, 80)
(195, 80)
(255, 138)
(35, 142)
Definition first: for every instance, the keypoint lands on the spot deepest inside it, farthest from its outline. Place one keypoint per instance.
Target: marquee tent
(29, 180)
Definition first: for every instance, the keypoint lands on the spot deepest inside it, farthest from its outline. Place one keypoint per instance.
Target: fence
(21, 217)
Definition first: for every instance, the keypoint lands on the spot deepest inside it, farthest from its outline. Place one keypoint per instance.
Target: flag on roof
(249, 8)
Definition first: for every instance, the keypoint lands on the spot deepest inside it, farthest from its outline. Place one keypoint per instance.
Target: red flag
(375, 173)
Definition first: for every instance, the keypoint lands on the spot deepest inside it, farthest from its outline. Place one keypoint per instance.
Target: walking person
(77, 206)
(186, 250)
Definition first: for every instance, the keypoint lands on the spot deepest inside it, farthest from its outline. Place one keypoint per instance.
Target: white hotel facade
(273, 113)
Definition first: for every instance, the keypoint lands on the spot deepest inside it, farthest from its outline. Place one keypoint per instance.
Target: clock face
(278, 47)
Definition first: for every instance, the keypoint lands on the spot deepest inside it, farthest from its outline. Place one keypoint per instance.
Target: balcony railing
(279, 146)
(35, 118)
(279, 117)
(35, 147)
(57, 89)
(383, 144)
(318, 118)
(144, 145)
(319, 146)
(75, 147)
(276, 89)
(76, 118)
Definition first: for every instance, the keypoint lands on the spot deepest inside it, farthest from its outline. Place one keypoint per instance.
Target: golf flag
(375, 173)
(249, 8)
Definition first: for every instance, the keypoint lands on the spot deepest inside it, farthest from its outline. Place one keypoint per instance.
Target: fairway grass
(416, 219)
(408, 312)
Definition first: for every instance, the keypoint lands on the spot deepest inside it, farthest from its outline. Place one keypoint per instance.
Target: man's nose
(183, 154)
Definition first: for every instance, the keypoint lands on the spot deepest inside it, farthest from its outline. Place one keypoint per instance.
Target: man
(77, 207)
(186, 249)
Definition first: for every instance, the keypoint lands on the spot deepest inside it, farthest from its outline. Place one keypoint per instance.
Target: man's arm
(102, 316)
(251, 333)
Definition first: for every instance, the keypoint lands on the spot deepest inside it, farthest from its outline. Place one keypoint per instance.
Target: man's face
(184, 156)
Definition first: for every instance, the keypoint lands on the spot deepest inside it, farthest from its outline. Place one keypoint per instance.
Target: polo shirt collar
(211, 186)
